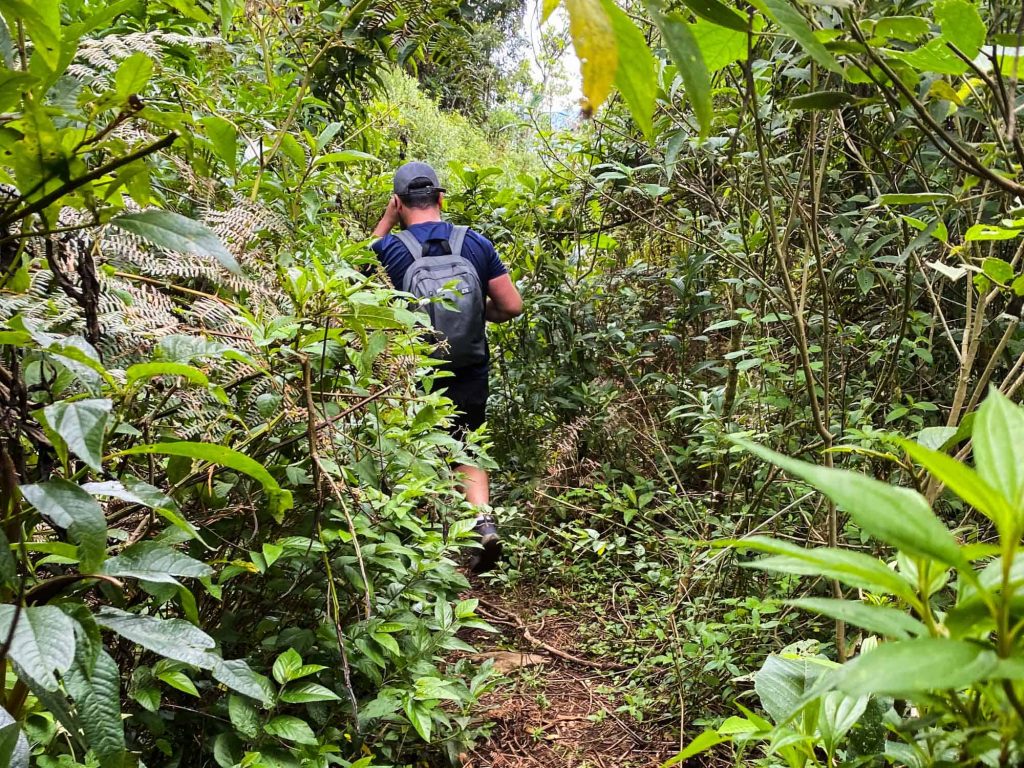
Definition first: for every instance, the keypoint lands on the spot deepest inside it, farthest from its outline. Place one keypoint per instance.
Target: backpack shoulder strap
(414, 246)
(457, 239)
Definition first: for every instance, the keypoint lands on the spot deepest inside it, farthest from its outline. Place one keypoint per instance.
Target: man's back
(416, 206)
(477, 249)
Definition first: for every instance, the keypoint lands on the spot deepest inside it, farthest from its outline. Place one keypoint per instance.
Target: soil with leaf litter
(557, 708)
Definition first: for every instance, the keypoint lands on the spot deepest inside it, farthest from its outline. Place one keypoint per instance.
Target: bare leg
(474, 485)
(476, 489)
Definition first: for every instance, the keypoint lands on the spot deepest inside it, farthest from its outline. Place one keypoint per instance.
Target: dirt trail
(557, 709)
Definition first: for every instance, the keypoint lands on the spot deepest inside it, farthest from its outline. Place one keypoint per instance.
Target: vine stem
(67, 188)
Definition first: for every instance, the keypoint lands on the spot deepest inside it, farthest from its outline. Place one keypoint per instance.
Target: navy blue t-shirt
(396, 260)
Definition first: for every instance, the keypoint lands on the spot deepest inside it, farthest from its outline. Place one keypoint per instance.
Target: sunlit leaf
(686, 54)
(634, 72)
(720, 46)
(596, 45)
(133, 74)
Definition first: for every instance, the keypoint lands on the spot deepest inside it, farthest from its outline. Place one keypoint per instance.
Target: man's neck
(415, 216)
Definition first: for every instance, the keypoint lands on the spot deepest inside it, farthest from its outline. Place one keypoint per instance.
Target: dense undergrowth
(231, 535)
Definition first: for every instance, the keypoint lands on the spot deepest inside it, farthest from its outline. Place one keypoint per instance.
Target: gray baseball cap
(416, 179)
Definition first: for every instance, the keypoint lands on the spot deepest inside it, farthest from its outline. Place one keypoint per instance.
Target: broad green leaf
(82, 425)
(734, 725)
(796, 26)
(783, 683)
(874, 618)
(302, 693)
(908, 28)
(146, 371)
(286, 666)
(965, 483)
(548, 8)
(821, 100)
(41, 22)
(346, 156)
(434, 688)
(986, 232)
(132, 75)
(596, 46)
(227, 751)
(686, 54)
(961, 25)
(179, 681)
(998, 448)
(943, 90)
(291, 729)
(271, 553)
(173, 638)
(934, 56)
(244, 716)
(997, 270)
(279, 498)
(702, 743)
(97, 696)
(43, 642)
(897, 516)
(419, 716)
(177, 233)
(915, 666)
(155, 562)
(720, 46)
(67, 506)
(718, 13)
(223, 137)
(634, 74)
(853, 568)
(936, 438)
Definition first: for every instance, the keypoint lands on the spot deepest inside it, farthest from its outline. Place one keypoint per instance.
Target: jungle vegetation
(757, 433)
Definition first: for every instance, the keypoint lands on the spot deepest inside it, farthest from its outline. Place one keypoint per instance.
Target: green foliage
(967, 647)
(229, 520)
(229, 523)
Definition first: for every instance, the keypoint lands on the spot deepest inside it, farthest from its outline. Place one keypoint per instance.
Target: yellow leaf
(593, 38)
(944, 90)
(549, 8)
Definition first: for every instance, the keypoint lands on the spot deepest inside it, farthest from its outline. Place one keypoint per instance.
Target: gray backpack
(427, 278)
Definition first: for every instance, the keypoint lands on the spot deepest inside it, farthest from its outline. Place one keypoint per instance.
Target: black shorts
(469, 393)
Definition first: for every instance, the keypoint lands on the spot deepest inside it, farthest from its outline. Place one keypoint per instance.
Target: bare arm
(389, 220)
(503, 300)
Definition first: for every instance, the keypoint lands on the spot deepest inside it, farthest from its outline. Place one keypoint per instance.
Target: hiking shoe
(490, 545)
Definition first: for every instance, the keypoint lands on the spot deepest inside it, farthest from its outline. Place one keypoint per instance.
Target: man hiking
(426, 257)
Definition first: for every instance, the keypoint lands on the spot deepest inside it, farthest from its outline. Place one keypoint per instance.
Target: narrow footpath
(556, 708)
